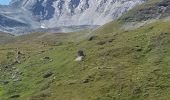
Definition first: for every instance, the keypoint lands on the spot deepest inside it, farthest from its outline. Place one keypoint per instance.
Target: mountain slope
(4, 37)
(57, 13)
(122, 64)
(16, 20)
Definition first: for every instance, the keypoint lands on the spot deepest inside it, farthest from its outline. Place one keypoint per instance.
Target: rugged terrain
(127, 59)
(28, 15)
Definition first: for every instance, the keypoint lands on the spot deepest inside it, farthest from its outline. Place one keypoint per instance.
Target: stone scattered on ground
(91, 38)
(18, 57)
(46, 58)
(101, 43)
(138, 48)
(14, 96)
(47, 74)
(80, 58)
(16, 75)
(85, 81)
(5, 82)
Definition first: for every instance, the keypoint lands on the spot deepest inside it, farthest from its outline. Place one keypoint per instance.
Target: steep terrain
(120, 63)
(152, 9)
(4, 37)
(35, 14)
(66, 13)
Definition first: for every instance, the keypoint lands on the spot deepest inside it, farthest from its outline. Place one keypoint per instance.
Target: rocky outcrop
(79, 12)
(155, 11)
(59, 13)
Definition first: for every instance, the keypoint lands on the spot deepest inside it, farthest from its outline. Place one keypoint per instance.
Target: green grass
(119, 65)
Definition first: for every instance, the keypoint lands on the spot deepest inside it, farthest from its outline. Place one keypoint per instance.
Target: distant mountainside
(32, 14)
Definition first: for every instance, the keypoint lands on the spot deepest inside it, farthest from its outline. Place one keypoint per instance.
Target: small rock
(46, 58)
(57, 44)
(80, 58)
(111, 40)
(41, 51)
(14, 67)
(13, 76)
(5, 82)
(15, 96)
(85, 81)
(6, 66)
(18, 57)
(80, 53)
(17, 79)
(47, 74)
(91, 38)
(138, 49)
(137, 90)
(101, 43)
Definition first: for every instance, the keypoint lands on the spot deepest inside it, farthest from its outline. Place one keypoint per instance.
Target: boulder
(80, 55)
(46, 58)
(85, 81)
(101, 42)
(5, 82)
(47, 74)
(80, 58)
(91, 38)
(14, 96)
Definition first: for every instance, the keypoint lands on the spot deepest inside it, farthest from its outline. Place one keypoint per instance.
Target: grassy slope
(4, 37)
(121, 65)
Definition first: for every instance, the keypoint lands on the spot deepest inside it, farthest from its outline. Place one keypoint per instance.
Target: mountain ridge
(58, 13)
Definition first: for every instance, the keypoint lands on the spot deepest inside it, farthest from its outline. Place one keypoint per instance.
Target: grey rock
(101, 42)
(91, 38)
(14, 96)
(46, 58)
(80, 53)
(47, 74)
(5, 82)
(85, 81)
(47, 14)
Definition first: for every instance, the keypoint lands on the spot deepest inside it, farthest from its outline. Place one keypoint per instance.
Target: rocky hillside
(148, 11)
(35, 14)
